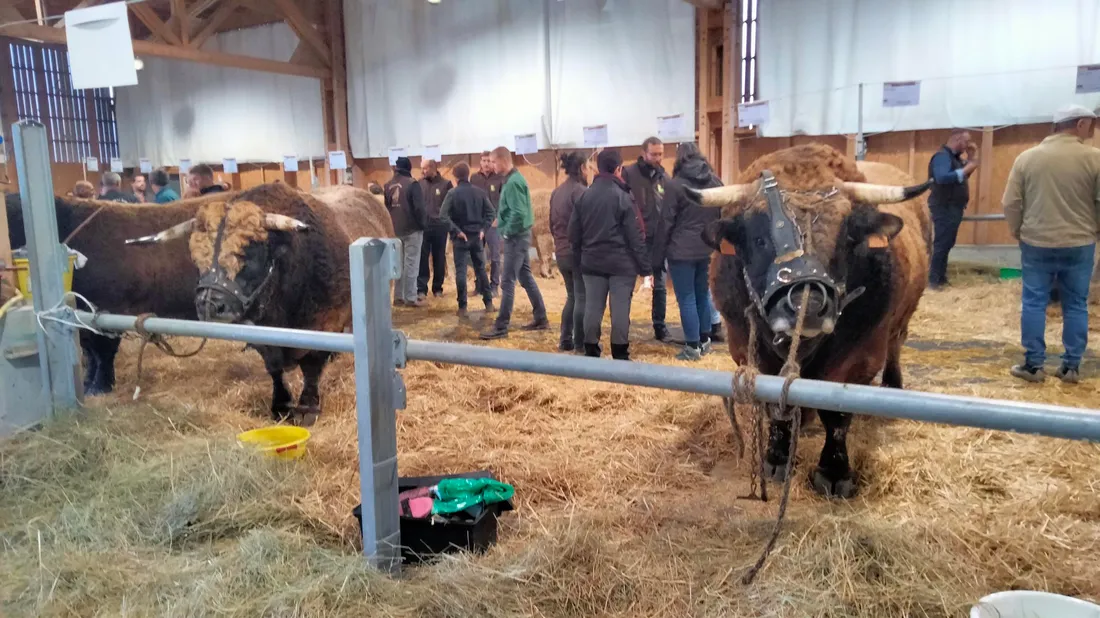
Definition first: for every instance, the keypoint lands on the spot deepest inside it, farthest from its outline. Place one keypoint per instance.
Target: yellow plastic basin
(282, 441)
(23, 275)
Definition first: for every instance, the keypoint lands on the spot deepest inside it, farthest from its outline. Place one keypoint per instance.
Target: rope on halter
(160, 342)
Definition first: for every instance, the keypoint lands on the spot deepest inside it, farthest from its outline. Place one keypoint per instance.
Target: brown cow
(120, 279)
(276, 256)
(807, 219)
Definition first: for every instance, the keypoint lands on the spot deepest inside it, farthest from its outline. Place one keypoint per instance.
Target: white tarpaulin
(207, 113)
(470, 75)
(979, 63)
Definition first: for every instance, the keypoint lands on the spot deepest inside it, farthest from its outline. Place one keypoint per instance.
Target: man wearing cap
(1052, 206)
(404, 199)
(948, 199)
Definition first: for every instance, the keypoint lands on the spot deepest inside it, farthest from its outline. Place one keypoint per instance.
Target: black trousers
(945, 222)
(470, 249)
(433, 259)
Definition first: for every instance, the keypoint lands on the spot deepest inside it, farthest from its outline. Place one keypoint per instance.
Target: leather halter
(217, 280)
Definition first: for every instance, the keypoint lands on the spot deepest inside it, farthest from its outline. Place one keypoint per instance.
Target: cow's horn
(282, 223)
(720, 196)
(884, 194)
(172, 233)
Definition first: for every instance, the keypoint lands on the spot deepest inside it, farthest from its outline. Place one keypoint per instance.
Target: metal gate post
(57, 353)
(374, 264)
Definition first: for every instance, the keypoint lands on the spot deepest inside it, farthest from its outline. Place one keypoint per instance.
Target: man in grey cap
(1052, 206)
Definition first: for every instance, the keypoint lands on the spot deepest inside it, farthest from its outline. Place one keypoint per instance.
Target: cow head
(236, 247)
(789, 243)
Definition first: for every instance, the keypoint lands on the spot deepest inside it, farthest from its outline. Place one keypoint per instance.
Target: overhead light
(139, 64)
(433, 1)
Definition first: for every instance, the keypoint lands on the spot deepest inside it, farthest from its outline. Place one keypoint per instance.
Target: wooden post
(985, 186)
(8, 115)
(703, 79)
(731, 92)
(334, 24)
(912, 153)
(850, 145)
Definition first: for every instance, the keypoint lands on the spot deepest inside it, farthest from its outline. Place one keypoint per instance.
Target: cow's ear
(873, 226)
(723, 235)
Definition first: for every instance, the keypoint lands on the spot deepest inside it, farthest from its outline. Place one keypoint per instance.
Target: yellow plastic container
(282, 441)
(23, 275)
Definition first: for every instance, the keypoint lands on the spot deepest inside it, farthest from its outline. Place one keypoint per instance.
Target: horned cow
(276, 256)
(807, 223)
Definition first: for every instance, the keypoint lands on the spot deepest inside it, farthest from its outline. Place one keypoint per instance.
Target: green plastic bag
(456, 495)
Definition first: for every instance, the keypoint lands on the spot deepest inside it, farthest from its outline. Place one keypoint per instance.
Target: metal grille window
(748, 50)
(80, 123)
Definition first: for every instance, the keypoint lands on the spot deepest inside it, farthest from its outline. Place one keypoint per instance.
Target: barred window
(748, 51)
(79, 123)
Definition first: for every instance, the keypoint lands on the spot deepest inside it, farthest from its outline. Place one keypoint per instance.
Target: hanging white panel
(980, 63)
(621, 63)
(207, 113)
(465, 75)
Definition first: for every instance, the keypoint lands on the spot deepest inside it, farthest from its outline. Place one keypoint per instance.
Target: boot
(592, 349)
(620, 351)
(660, 333)
(717, 332)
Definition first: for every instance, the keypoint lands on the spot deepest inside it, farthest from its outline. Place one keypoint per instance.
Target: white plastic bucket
(1032, 604)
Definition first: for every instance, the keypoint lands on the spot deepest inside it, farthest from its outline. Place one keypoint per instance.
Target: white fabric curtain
(981, 63)
(206, 113)
(469, 75)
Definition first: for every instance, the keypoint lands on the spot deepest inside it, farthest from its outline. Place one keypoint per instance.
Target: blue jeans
(1071, 269)
(689, 278)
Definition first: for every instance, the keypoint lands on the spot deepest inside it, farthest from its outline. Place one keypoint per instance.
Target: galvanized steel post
(374, 265)
(57, 353)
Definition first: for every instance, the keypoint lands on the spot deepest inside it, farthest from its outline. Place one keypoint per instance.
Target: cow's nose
(215, 307)
(820, 310)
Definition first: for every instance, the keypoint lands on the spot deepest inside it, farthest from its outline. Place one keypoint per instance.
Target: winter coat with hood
(562, 202)
(605, 231)
(681, 233)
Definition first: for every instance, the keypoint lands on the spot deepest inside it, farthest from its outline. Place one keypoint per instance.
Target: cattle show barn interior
(629, 501)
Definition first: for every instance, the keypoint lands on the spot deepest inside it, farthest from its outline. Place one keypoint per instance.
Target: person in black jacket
(681, 243)
(405, 201)
(468, 213)
(433, 253)
(112, 189)
(562, 201)
(610, 250)
(647, 181)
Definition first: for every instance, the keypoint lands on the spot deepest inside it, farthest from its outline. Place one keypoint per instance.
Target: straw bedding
(626, 497)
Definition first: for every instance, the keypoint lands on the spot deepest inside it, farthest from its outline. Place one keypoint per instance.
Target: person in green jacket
(162, 193)
(514, 220)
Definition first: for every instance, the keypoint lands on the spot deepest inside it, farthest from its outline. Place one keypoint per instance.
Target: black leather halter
(217, 280)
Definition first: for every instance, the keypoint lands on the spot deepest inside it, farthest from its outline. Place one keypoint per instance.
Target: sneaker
(660, 333)
(494, 333)
(1069, 375)
(566, 346)
(490, 307)
(419, 302)
(438, 294)
(1028, 373)
(543, 324)
(704, 348)
(462, 313)
(421, 297)
(689, 354)
(399, 302)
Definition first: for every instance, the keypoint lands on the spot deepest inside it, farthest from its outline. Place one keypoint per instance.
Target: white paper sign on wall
(527, 144)
(751, 114)
(900, 94)
(116, 166)
(1088, 78)
(670, 128)
(185, 166)
(338, 160)
(229, 166)
(101, 51)
(146, 166)
(290, 163)
(395, 154)
(433, 152)
(595, 136)
(91, 164)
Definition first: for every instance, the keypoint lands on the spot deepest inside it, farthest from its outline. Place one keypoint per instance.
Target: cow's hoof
(92, 390)
(306, 416)
(775, 472)
(844, 487)
(280, 414)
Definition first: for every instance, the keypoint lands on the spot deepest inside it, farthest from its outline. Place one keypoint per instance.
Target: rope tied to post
(744, 386)
(160, 342)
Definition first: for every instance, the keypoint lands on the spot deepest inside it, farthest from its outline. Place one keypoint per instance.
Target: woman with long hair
(562, 201)
(682, 245)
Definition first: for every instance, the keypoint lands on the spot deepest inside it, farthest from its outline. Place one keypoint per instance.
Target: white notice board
(900, 94)
(290, 163)
(670, 128)
(750, 114)
(146, 166)
(595, 136)
(527, 144)
(1088, 78)
(433, 152)
(337, 160)
(229, 166)
(395, 154)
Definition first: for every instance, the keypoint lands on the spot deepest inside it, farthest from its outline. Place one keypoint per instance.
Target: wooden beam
(153, 22)
(985, 186)
(159, 50)
(731, 94)
(304, 54)
(299, 23)
(703, 79)
(83, 4)
(334, 23)
(912, 154)
(179, 12)
(849, 145)
(9, 114)
(192, 14)
(210, 27)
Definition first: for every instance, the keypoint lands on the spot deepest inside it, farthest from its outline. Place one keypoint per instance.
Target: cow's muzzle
(221, 299)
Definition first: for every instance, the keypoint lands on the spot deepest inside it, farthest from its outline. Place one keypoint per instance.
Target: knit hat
(403, 164)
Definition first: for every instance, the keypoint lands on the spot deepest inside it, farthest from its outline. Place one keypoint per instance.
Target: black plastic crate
(422, 540)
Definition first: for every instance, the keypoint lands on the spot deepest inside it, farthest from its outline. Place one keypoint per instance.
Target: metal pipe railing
(1046, 420)
(993, 217)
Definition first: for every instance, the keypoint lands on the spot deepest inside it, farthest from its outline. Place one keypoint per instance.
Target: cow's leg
(275, 363)
(309, 404)
(779, 446)
(100, 352)
(91, 362)
(833, 476)
(891, 373)
(543, 254)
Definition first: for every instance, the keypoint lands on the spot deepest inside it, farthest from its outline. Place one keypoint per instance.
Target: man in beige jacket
(1052, 206)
